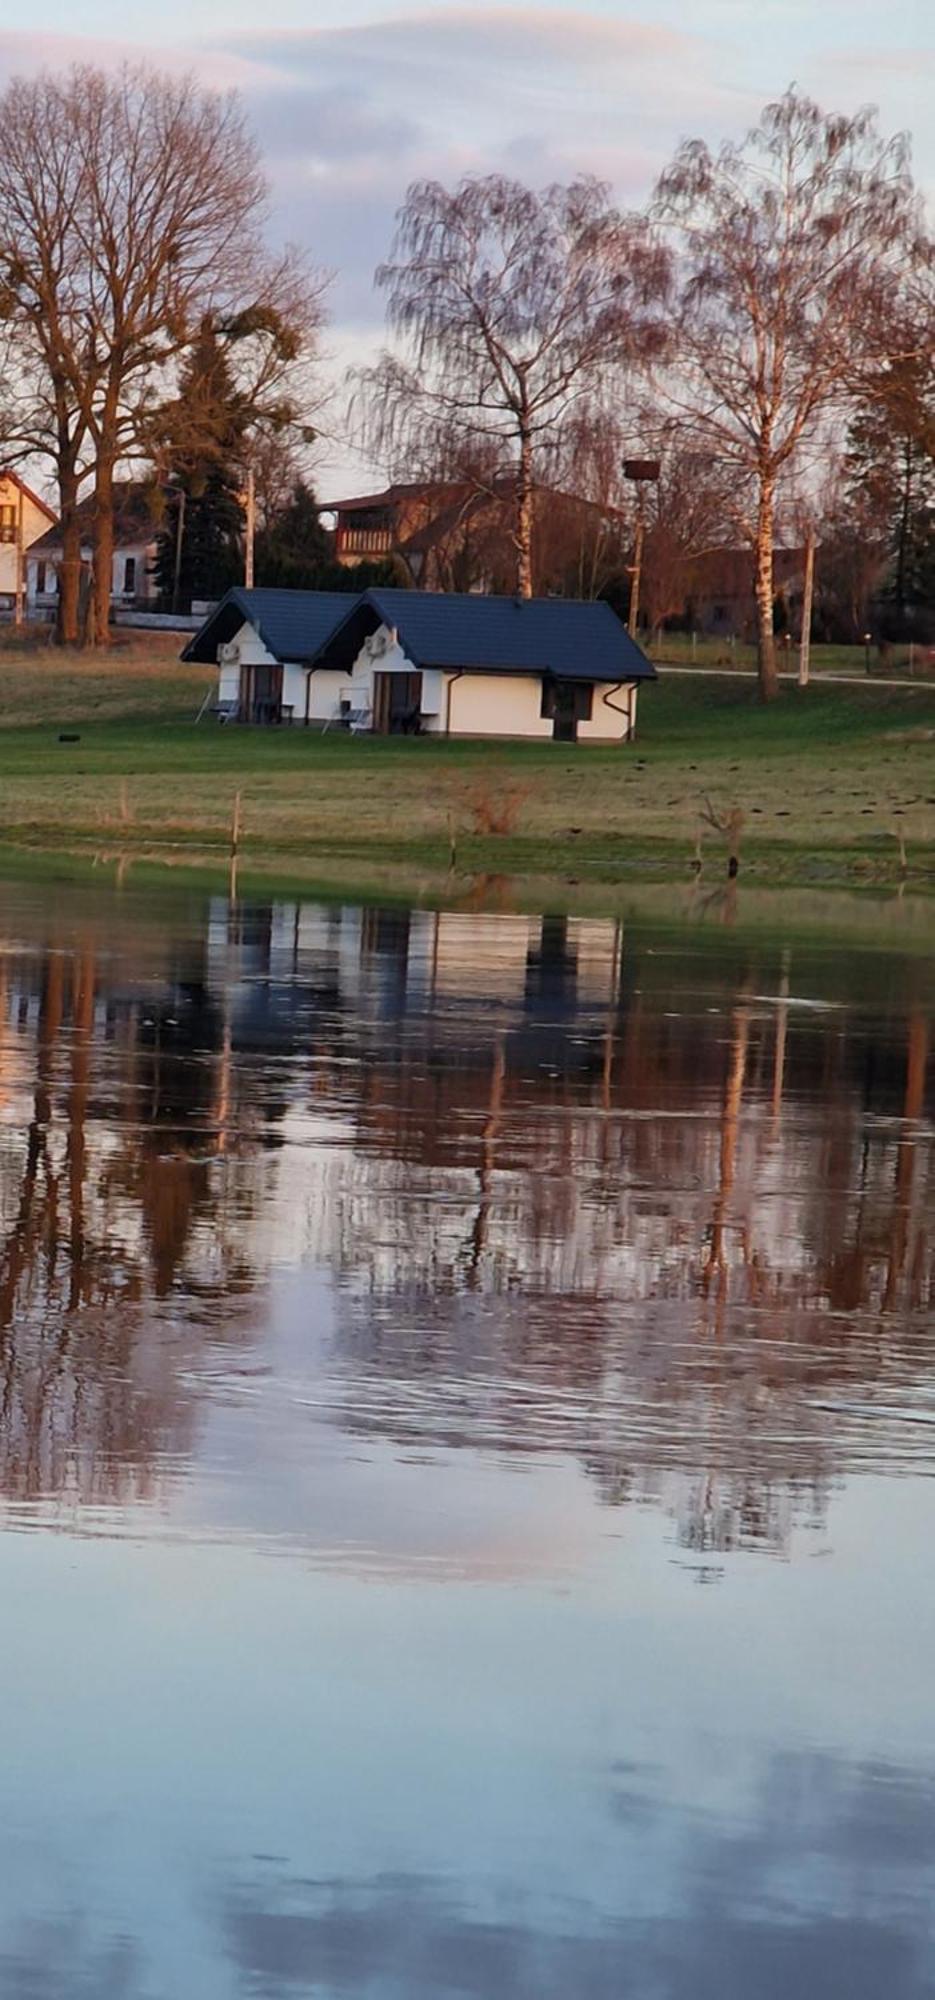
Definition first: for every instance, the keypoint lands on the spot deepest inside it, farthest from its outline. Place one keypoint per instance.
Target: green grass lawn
(826, 781)
(681, 649)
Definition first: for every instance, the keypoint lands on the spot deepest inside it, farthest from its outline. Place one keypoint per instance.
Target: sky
(353, 99)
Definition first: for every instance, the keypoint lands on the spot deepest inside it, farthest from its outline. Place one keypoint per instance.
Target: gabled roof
(572, 638)
(137, 518)
(293, 624)
(7, 472)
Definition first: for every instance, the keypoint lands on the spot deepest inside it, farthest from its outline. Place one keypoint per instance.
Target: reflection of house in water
(536, 1101)
(577, 1191)
(453, 975)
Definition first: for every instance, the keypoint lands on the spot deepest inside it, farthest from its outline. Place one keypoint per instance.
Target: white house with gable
(23, 519)
(399, 662)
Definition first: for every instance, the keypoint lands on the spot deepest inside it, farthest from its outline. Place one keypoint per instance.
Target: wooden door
(397, 704)
(565, 713)
(261, 693)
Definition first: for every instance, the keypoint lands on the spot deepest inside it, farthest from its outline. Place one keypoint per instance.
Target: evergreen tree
(200, 552)
(293, 549)
(293, 552)
(891, 467)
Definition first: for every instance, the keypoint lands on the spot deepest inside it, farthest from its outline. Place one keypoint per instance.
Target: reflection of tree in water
(678, 1229)
(105, 1196)
(738, 1248)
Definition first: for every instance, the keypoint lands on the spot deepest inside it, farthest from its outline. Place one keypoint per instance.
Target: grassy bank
(828, 782)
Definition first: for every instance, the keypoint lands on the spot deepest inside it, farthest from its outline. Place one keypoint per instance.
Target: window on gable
(7, 523)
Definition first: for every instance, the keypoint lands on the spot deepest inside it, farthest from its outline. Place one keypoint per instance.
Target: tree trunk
(805, 637)
(766, 642)
(524, 509)
(103, 546)
(69, 579)
(905, 519)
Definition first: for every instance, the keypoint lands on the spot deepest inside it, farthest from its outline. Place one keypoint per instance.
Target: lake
(467, 1435)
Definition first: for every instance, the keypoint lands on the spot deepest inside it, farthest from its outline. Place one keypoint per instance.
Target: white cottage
(406, 662)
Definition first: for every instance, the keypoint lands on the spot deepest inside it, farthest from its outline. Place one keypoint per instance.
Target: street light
(867, 638)
(643, 472)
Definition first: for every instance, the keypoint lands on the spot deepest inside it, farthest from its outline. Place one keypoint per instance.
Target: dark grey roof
(571, 638)
(575, 639)
(293, 624)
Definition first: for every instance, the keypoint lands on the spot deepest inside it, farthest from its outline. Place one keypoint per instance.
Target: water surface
(467, 1425)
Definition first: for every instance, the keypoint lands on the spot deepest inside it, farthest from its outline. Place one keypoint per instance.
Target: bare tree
(174, 200)
(790, 246)
(510, 307)
(154, 215)
(43, 323)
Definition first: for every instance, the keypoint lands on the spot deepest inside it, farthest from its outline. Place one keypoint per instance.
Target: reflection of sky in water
(260, 1761)
(468, 1585)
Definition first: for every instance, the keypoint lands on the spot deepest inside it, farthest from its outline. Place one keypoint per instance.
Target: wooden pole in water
(235, 827)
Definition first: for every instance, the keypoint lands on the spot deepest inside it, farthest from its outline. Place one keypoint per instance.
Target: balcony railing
(364, 541)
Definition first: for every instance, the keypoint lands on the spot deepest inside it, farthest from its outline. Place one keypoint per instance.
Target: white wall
(613, 715)
(497, 705)
(145, 588)
(510, 705)
(358, 685)
(478, 704)
(28, 519)
(329, 687)
(246, 650)
(293, 690)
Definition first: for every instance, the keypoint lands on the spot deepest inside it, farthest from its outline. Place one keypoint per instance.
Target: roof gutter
(456, 676)
(608, 701)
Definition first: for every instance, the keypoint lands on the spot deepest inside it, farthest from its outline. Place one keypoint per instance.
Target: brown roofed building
(718, 590)
(456, 535)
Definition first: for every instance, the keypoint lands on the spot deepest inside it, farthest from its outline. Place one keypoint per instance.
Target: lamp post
(867, 639)
(249, 529)
(642, 472)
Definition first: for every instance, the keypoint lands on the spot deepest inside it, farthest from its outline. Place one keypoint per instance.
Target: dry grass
(139, 675)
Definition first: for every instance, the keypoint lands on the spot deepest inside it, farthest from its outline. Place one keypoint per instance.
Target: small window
(7, 523)
(40, 579)
(129, 576)
(571, 698)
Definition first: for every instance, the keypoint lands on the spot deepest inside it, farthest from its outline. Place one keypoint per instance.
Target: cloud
(25, 51)
(771, 1902)
(333, 126)
(349, 114)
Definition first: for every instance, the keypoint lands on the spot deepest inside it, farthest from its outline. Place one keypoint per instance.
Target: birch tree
(509, 307)
(790, 249)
